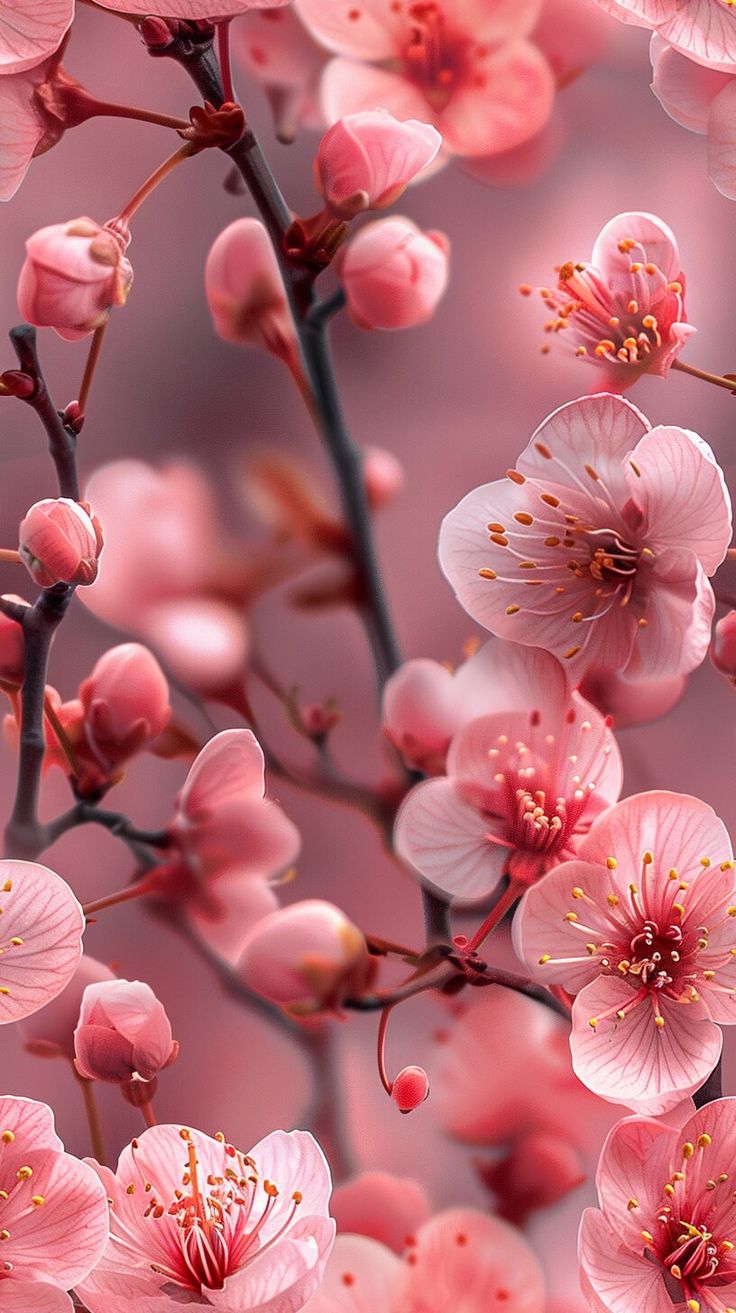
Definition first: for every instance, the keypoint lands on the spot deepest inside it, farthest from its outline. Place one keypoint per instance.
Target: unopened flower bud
(126, 702)
(393, 274)
(49, 1033)
(60, 542)
(723, 646)
(366, 160)
(245, 291)
(12, 647)
(74, 274)
(123, 1032)
(383, 476)
(306, 957)
(410, 1088)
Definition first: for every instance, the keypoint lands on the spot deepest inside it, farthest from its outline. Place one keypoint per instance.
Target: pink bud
(126, 702)
(73, 276)
(410, 1088)
(12, 647)
(306, 957)
(49, 1033)
(60, 542)
(123, 1032)
(383, 475)
(245, 290)
(421, 712)
(539, 1169)
(366, 160)
(723, 646)
(393, 274)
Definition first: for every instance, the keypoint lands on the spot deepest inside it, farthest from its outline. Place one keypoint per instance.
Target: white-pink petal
(30, 31)
(614, 1279)
(599, 431)
(361, 1277)
(722, 139)
(678, 829)
(445, 839)
(669, 463)
(684, 89)
(42, 925)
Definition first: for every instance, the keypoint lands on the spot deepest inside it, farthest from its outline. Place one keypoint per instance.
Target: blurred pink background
(456, 401)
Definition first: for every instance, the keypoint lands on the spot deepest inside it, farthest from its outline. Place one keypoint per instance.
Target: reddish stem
(496, 914)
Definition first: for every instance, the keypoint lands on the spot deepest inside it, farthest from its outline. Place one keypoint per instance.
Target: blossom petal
(645, 13)
(542, 931)
(722, 138)
(284, 1278)
(239, 899)
(678, 611)
(22, 1296)
(348, 87)
(43, 923)
(21, 128)
(686, 90)
(191, 9)
(634, 1061)
(650, 233)
(634, 1162)
(598, 431)
(491, 1257)
(677, 829)
(75, 1204)
(680, 487)
(445, 838)
(361, 1277)
(369, 29)
(503, 677)
(510, 101)
(30, 1122)
(230, 766)
(617, 1279)
(705, 31)
(36, 31)
(293, 1160)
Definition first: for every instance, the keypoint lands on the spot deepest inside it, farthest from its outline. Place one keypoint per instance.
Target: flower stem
(495, 916)
(148, 1114)
(89, 370)
(61, 735)
(151, 183)
(381, 1049)
(95, 1129)
(718, 379)
(126, 895)
(11, 555)
(223, 51)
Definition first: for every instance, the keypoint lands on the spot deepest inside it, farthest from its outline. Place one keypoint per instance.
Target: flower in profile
(662, 1237)
(215, 1226)
(465, 66)
(306, 958)
(521, 790)
(245, 292)
(624, 310)
(125, 701)
(599, 544)
(73, 276)
(41, 940)
(641, 928)
(279, 54)
(704, 30)
(53, 1212)
(459, 1261)
(393, 274)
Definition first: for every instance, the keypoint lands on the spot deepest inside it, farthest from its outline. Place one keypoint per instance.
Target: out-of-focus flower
(463, 65)
(126, 703)
(393, 274)
(623, 310)
(42, 925)
(53, 1212)
(702, 100)
(123, 1032)
(31, 31)
(268, 1252)
(661, 1237)
(521, 790)
(538, 1171)
(410, 1088)
(704, 30)
(190, 9)
(640, 927)
(277, 52)
(383, 475)
(49, 1033)
(723, 647)
(631, 701)
(460, 1259)
(306, 957)
(245, 291)
(12, 647)
(60, 542)
(572, 34)
(367, 160)
(385, 1207)
(581, 549)
(73, 276)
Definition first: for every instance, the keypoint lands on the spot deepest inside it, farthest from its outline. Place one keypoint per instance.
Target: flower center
(433, 57)
(655, 957)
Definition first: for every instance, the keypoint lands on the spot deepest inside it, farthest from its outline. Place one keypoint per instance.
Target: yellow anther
(593, 1022)
(511, 610)
(693, 1305)
(37, 1200)
(570, 916)
(647, 858)
(679, 908)
(577, 892)
(659, 1021)
(485, 573)
(705, 861)
(647, 1235)
(688, 1149)
(7, 1137)
(24, 1173)
(704, 1141)
(611, 863)
(544, 959)
(633, 1203)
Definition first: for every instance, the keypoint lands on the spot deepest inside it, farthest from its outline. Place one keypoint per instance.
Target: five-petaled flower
(665, 1235)
(623, 310)
(599, 544)
(641, 928)
(193, 1220)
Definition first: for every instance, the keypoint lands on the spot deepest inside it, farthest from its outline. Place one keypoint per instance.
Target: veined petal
(678, 612)
(680, 487)
(553, 946)
(42, 930)
(30, 30)
(677, 829)
(445, 838)
(704, 30)
(654, 240)
(361, 1276)
(634, 1162)
(596, 432)
(618, 1279)
(686, 90)
(722, 137)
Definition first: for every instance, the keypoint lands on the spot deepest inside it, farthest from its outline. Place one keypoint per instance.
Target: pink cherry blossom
(60, 542)
(123, 1031)
(189, 9)
(192, 1239)
(622, 311)
(704, 30)
(385, 1207)
(49, 1033)
(598, 546)
(460, 1261)
(463, 65)
(701, 100)
(245, 291)
(73, 276)
(662, 1237)
(521, 790)
(42, 926)
(572, 34)
(277, 52)
(393, 274)
(27, 128)
(53, 1212)
(640, 927)
(538, 1171)
(35, 32)
(306, 957)
(366, 160)
(126, 703)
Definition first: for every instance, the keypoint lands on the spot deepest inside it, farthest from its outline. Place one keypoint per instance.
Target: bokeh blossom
(53, 1212)
(385, 1207)
(245, 291)
(624, 310)
(305, 957)
(465, 66)
(235, 1231)
(641, 928)
(599, 544)
(523, 786)
(663, 1236)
